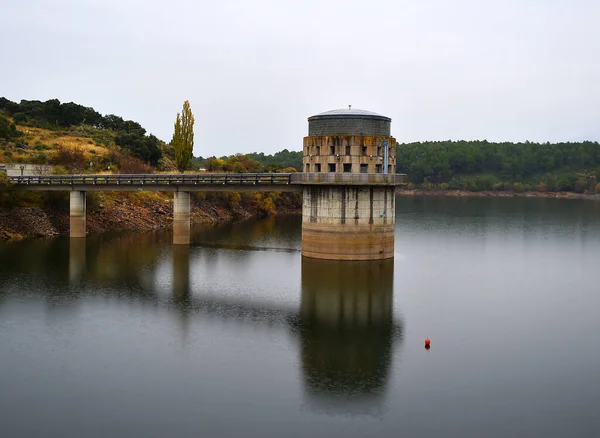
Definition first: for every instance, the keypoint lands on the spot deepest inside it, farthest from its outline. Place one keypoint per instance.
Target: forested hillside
(481, 165)
(52, 131)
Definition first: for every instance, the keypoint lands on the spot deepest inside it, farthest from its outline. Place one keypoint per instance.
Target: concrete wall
(14, 169)
(348, 125)
(368, 150)
(348, 223)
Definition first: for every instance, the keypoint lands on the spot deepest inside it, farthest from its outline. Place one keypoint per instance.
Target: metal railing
(178, 180)
(157, 179)
(351, 178)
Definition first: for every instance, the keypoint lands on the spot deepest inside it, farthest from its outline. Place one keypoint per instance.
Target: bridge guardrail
(157, 179)
(238, 179)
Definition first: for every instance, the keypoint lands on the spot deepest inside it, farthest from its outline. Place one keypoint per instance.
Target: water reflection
(282, 232)
(77, 260)
(272, 341)
(181, 274)
(340, 319)
(347, 334)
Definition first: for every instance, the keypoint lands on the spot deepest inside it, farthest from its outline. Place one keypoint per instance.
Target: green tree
(279, 160)
(214, 164)
(183, 137)
(7, 130)
(241, 163)
(143, 146)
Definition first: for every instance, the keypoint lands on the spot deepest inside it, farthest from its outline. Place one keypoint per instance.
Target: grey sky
(253, 71)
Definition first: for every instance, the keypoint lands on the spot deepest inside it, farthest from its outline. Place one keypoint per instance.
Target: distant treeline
(52, 114)
(279, 160)
(284, 160)
(481, 165)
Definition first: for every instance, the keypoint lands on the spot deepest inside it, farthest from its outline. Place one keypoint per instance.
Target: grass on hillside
(84, 144)
(39, 146)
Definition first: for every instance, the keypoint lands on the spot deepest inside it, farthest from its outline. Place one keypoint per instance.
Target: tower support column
(352, 222)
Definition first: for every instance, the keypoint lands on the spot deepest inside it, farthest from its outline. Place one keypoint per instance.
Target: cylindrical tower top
(349, 122)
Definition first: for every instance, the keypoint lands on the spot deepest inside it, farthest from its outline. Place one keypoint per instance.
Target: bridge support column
(77, 214)
(348, 222)
(181, 218)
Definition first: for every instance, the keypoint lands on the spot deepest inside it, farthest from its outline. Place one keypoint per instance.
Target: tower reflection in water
(347, 334)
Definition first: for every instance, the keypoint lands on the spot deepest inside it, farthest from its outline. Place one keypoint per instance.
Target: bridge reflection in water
(344, 323)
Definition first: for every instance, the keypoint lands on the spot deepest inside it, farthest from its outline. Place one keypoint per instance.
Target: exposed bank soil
(121, 215)
(496, 194)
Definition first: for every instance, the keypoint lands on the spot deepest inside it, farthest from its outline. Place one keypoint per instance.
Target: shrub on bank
(12, 198)
(4, 181)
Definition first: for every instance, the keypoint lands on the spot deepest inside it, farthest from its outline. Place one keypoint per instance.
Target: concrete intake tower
(348, 210)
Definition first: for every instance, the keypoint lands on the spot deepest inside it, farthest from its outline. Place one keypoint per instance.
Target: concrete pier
(181, 218)
(77, 213)
(348, 222)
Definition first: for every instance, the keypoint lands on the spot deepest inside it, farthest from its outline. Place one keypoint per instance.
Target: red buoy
(427, 343)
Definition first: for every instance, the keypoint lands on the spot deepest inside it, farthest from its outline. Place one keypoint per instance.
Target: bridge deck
(249, 182)
(240, 182)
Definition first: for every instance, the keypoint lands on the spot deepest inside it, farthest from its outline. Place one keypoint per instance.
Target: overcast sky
(254, 71)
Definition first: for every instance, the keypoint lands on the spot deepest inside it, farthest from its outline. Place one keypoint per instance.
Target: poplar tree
(183, 137)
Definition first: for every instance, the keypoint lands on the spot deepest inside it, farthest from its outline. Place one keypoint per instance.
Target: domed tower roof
(350, 121)
(353, 113)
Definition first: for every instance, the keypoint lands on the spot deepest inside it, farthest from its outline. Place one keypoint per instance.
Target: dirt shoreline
(122, 215)
(496, 194)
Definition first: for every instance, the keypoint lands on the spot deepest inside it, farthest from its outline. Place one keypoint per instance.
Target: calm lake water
(128, 336)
